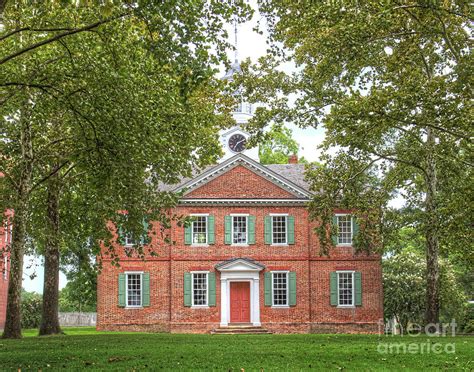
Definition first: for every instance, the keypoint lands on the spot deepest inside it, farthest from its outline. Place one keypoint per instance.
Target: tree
(404, 279)
(277, 146)
(390, 83)
(78, 133)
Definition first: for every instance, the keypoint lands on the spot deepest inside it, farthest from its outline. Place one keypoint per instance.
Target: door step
(240, 330)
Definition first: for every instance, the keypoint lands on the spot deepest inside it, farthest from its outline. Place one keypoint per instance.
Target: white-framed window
(279, 229)
(344, 229)
(240, 229)
(134, 289)
(345, 288)
(199, 229)
(129, 241)
(200, 293)
(280, 288)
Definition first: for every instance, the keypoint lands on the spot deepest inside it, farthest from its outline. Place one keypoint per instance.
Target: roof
(293, 174)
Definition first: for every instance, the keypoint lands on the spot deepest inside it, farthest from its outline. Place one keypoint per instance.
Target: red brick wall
(313, 311)
(240, 182)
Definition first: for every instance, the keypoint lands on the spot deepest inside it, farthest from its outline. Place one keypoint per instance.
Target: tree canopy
(391, 84)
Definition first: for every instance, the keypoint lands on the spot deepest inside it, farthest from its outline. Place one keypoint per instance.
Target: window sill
(279, 244)
(199, 307)
(200, 245)
(346, 307)
(345, 245)
(280, 306)
(239, 245)
(133, 307)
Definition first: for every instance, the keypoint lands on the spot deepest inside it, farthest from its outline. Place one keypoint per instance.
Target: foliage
(391, 85)
(31, 303)
(277, 146)
(100, 105)
(404, 281)
(79, 295)
(87, 348)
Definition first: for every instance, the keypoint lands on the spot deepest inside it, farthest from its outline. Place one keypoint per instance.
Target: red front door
(239, 302)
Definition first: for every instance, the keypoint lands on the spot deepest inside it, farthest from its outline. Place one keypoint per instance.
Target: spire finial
(236, 56)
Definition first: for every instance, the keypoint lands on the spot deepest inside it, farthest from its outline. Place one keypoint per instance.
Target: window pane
(345, 288)
(240, 229)
(280, 289)
(344, 229)
(279, 229)
(199, 230)
(200, 289)
(134, 290)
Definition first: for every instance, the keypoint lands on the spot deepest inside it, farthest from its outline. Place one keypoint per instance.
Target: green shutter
(187, 289)
(334, 230)
(251, 230)
(121, 236)
(145, 238)
(121, 290)
(211, 282)
(146, 289)
(210, 230)
(268, 289)
(268, 230)
(292, 280)
(358, 288)
(291, 230)
(333, 285)
(355, 227)
(228, 230)
(187, 234)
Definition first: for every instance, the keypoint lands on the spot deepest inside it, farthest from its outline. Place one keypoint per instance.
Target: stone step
(240, 330)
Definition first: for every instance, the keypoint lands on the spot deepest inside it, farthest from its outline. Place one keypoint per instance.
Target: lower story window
(345, 288)
(280, 289)
(199, 289)
(134, 290)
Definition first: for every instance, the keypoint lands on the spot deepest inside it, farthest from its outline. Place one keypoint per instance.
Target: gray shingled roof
(294, 173)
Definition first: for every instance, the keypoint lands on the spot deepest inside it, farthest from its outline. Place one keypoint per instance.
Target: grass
(85, 348)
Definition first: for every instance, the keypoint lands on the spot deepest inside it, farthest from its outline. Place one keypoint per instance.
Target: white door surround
(240, 270)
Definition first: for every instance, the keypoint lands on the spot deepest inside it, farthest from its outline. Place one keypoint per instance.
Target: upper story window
(199, 230)
(239, 230)
(279, 229)
(344, 229)
(280, 288)
(345, 288)
(199, 289)
(134, 289)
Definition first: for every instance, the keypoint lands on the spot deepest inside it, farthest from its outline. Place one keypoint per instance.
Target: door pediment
(239, 264)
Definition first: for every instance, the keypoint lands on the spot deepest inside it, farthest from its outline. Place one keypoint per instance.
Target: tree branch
(60, 36)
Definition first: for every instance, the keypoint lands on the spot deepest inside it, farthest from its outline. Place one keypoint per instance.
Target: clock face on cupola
(237, 142)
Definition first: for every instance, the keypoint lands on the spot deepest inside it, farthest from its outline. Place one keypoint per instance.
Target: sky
(250, 45)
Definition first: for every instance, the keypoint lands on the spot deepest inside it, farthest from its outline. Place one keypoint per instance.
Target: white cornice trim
(241, 159)
(245, 201)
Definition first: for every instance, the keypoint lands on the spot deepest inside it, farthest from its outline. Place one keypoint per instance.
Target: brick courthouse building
(250, 258)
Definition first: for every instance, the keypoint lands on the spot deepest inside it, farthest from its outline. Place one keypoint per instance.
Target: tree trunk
(17, 249)
(49, 316)
(432, 242)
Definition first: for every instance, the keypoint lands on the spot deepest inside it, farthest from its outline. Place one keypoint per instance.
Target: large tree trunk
(17, 248)
(432, 242)
(49, 317)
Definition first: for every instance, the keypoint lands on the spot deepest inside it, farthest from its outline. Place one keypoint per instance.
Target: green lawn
(84, 348)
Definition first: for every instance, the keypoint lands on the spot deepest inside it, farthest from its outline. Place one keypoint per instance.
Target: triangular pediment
(240, 264)
(242, 177)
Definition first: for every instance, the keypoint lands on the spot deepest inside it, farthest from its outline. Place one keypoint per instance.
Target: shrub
(31, 304)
